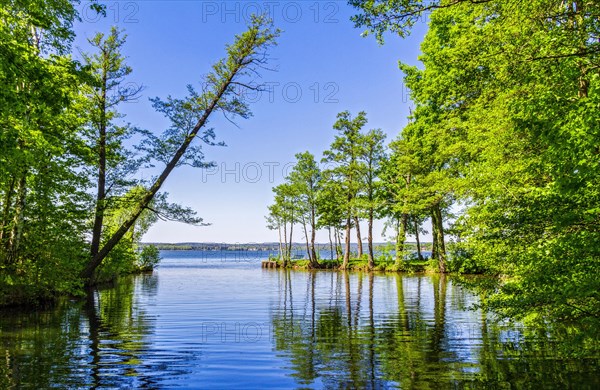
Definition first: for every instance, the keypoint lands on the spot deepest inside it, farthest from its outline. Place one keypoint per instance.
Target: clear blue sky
(324, 67)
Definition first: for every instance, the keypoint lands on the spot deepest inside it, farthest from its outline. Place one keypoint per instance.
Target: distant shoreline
(266, 246)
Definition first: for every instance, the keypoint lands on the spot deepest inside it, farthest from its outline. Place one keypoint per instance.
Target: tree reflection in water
(99, 342)
(329, 329)
(331, 337)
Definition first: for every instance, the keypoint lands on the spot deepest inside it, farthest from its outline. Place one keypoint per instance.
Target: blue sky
(323, 65)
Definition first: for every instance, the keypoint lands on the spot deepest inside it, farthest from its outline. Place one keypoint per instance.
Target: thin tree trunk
(398, 248)
(370, 240)
(330, 242)
(280, 243)
(335, 242)
(290, 243)
(401, 238)
(308, 253)
(358, 237)
(420, 256)
(434, 248)
(101, 185)
(441, 246)
(313, 233)
(285, 246)
(347, 238)
(339, 247)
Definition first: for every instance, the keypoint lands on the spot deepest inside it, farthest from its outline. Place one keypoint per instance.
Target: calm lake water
(217, 320)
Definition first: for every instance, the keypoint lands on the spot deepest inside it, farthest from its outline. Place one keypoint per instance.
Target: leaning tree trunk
(241, 55)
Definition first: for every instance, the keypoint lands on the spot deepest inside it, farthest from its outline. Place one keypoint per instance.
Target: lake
(217, 320)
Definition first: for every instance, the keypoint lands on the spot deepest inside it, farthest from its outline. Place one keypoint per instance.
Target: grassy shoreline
(411, 266)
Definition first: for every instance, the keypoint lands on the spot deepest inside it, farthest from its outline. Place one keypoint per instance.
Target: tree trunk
(101, 185)
(280, 243)
(315, 261)
(347, 238)
(441, 246)
(308, 253)
(358, 237)
(338, 250)
(420, 256)
(400, 239)
(285, 246)
(330, 242)
(290, 243)
(434, 248)
(370, 240)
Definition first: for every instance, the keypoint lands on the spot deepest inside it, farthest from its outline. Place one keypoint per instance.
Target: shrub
(149, 258)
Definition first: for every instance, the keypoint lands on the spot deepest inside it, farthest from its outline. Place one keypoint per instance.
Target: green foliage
(505, 128)
(149, 257)
(189, 117)
(62, 138)
(43, 198)
(463, 261)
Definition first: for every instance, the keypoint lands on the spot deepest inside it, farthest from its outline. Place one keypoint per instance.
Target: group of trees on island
(71, 207)
(361, 180)
(504, 133)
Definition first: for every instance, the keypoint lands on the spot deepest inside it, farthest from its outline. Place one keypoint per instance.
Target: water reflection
(207, 327)
(341, 336)
(103, 341)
